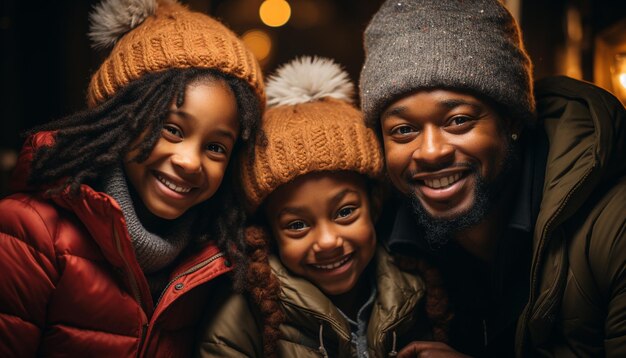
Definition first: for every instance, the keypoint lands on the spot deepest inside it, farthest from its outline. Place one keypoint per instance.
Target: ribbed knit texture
(174, 37)
(154, 250)
(474, 46)
(322, 135)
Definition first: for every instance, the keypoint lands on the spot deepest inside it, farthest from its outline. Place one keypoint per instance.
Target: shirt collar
(528, 199)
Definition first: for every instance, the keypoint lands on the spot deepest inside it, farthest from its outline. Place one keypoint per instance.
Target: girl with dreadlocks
(319, 285)
(124, 212)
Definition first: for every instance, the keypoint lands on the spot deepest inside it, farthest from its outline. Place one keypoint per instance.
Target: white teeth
(333, 265)
(442, 182)
(174, 187)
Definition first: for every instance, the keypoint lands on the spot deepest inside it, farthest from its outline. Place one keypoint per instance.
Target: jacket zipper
(189, 271)
(384, 331)
(323, 318)
(540, 249)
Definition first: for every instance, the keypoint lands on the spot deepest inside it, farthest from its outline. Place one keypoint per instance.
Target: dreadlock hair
(94, 140)
(437, 306)
(264, 288)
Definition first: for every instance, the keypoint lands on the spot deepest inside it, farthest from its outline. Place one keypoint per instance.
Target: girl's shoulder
(31, 220)
(19, 176)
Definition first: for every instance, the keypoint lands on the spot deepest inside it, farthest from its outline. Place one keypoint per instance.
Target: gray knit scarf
(157, 242)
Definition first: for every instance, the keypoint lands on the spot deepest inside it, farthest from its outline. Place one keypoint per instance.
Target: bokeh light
(259, 42)
(275, 13)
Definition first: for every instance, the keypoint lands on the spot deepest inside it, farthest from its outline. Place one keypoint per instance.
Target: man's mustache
(433, 169)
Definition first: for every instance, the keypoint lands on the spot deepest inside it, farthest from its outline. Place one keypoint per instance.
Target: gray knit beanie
(471, 45)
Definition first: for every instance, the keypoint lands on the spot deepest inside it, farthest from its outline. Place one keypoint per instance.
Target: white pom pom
(113, 18)
(308, 79)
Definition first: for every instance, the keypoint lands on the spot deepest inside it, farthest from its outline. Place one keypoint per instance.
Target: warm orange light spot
(258, 42)
(275, 13)
(622, 80)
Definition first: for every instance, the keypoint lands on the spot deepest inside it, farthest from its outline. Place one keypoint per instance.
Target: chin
(165, 213)
(335, 291)
(451, 214)
(447, 213)
(338, 289)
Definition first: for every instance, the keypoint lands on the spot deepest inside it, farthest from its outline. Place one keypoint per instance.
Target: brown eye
(172, 130)
(460, 120)
(403, 130)
(296, 225)
(216, 148)
(345, 212)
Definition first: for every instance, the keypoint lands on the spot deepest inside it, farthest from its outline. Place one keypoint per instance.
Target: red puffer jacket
(70, 283)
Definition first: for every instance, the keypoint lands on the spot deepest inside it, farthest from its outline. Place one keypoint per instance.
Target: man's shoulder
(568, 100)
(586, 129)
(570, 88)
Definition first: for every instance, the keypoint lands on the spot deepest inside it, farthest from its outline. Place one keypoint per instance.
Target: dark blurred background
(47, 59)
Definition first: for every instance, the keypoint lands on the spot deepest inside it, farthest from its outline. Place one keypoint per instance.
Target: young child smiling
(318, 284)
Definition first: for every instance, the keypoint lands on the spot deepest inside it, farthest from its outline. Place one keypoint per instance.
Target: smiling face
(323, 227)
(187, 164)
(446, 150)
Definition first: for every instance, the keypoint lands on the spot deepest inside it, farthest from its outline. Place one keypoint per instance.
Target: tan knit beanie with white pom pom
(310, 125)
(156, 35)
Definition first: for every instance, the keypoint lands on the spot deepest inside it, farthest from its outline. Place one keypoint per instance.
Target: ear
(517, 126)
(512, 127)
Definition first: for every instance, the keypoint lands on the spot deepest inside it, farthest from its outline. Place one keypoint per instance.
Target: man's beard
(438, 231)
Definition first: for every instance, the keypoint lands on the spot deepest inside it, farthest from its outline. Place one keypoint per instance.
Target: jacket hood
(586, 128)
(19, 177)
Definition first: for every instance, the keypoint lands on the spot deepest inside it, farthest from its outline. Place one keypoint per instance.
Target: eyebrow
(290, 210)
(226, 134)
(446, 104)
(393, 111)
(456, 102)
(333, 201)
(339, 196)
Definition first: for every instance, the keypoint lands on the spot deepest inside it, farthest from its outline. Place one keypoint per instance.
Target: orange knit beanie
(310, 125)
(156, 35)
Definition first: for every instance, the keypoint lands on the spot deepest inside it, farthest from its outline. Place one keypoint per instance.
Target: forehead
(316, 188)
(211, 103)
(437, 100)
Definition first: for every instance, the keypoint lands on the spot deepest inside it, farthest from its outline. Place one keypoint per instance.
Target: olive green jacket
(233, 326)
(577, 302)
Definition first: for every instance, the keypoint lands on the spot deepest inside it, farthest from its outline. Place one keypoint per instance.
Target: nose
(327, 239)
(187, 159)
(433, 150)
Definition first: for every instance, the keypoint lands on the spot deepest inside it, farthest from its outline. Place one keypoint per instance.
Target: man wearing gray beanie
(514, 190)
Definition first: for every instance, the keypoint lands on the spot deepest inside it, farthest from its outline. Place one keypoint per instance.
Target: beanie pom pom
(111, 19)
(307, 79)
